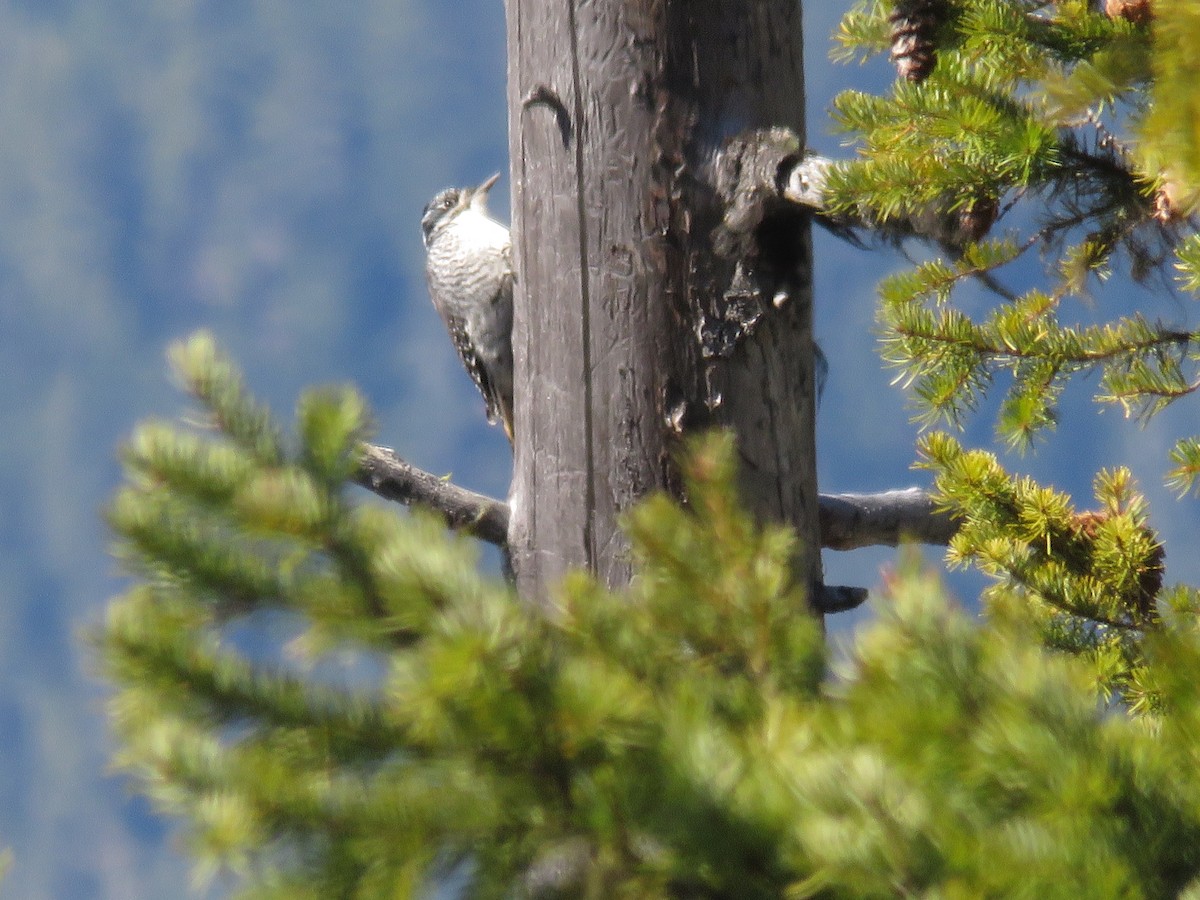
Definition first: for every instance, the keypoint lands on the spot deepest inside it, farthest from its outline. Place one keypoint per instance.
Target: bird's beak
(479, 194)
(487, 185)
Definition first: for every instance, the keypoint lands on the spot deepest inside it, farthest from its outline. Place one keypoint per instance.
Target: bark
(381, 471)
(618, 113)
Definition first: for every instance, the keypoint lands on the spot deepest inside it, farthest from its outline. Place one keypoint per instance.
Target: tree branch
(848, 521)
(381, 471)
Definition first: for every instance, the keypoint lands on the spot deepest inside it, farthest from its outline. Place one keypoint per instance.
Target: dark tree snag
(381, 471)
(618, 110)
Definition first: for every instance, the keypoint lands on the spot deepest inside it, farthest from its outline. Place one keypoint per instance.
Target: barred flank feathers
(914, 26)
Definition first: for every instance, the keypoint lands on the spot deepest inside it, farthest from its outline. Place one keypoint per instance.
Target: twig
(386, 474)
(848, 521)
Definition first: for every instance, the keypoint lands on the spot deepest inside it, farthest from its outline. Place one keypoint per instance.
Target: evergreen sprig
(1185, 475)
(1088, 579)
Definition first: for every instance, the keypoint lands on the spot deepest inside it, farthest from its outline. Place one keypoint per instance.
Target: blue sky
(258, 168)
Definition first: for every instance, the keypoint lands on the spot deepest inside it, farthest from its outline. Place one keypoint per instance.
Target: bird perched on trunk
(468, 262)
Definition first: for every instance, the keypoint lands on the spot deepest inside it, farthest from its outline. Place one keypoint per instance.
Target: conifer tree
(690, 734)
(1072, 124)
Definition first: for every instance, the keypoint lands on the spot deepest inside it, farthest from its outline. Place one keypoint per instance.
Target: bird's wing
(499, 406)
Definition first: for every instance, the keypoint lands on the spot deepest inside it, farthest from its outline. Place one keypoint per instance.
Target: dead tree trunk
(618, 110)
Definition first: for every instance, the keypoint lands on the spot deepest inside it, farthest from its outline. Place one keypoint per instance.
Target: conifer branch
(1092, 347)
(848, 521)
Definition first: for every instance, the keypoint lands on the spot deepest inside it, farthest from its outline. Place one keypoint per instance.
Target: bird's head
(447, 205)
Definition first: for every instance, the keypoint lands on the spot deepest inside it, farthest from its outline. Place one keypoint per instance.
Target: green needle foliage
(688, 737)
(1046, 126)
(1087, 581)
(1068, 128)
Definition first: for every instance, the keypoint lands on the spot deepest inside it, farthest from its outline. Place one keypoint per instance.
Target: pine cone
(1139, 12)
(1173, 201)
(976, 219)
(914, 29)
(953, 229)
(1165, 210)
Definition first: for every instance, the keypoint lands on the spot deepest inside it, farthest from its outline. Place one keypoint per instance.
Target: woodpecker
(468, 263)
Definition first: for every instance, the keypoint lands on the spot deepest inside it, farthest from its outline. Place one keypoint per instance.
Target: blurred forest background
(258, 168)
